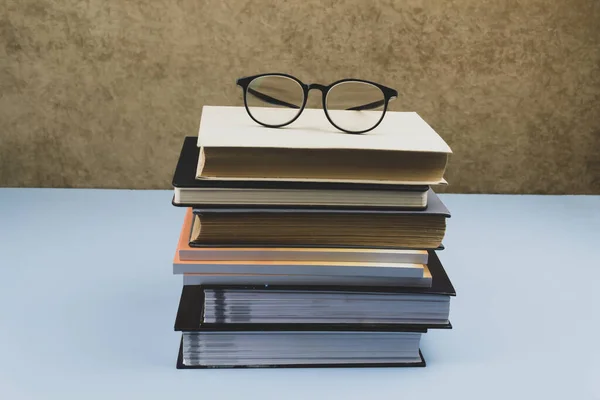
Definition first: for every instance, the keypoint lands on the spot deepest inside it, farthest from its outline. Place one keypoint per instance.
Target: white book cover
(231, 126)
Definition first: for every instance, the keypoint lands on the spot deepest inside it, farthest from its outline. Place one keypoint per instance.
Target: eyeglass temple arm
(277, 102)
(368, 106)
(372, 105)
(270, 99)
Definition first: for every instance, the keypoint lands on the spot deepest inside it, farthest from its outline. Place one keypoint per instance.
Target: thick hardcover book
(191, 192)
(196, 353)
(185, 252)
(275, 226)
(385, 307)
(403, 149)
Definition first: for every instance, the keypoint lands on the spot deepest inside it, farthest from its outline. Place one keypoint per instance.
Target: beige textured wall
(100, 93)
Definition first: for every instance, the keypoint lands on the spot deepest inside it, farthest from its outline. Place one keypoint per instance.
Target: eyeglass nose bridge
(317, 86)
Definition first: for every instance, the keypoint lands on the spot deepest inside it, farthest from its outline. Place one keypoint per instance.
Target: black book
(255, 307)
(190, 191)
(297, 349)
(212, 346)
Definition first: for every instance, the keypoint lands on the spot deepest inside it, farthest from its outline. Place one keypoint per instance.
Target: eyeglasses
(351, 105)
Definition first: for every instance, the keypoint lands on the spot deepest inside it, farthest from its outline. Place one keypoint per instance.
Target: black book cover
(191, 304)
(185, 177)
(180, 364)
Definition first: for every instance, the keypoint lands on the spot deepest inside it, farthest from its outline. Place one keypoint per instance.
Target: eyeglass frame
(388, 95)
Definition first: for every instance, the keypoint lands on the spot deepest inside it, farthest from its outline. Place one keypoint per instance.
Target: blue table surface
(88, 302)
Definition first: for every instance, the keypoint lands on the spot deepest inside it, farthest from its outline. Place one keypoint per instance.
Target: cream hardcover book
(403, 149)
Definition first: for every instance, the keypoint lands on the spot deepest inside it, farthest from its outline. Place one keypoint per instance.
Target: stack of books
(306, 246)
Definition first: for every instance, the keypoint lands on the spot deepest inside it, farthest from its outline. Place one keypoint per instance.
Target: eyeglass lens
(274, 100)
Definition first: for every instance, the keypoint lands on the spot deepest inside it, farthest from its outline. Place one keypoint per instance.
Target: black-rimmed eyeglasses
(351, 105)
